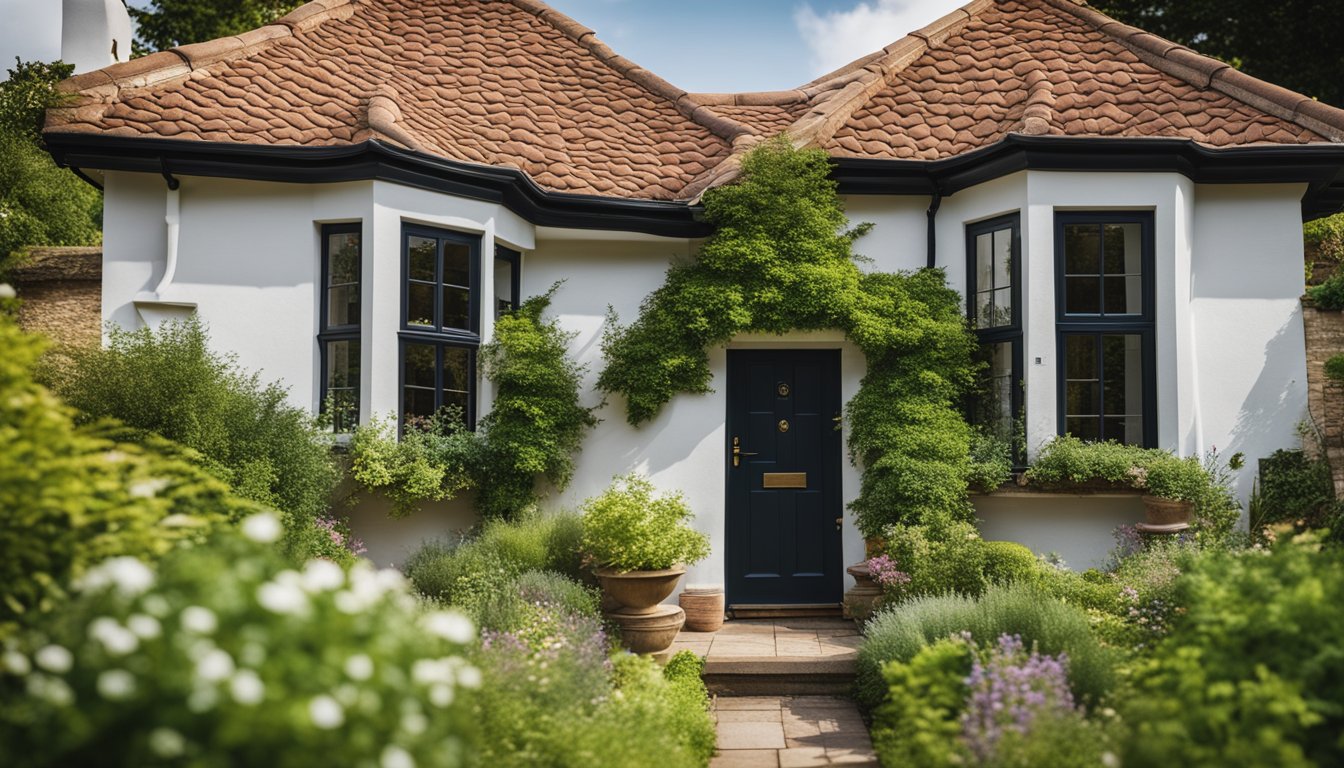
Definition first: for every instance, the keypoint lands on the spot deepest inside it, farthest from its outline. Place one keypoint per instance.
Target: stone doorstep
(782, 665)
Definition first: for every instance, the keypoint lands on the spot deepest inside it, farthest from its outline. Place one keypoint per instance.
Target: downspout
(172, 219)
(935, 202)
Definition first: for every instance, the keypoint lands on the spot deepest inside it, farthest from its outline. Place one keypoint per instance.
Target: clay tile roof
(514, 83)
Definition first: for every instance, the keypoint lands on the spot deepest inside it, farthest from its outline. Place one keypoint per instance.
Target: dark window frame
(438, 336)
(1099, 325)
(515, 261)
(327, 334)
(1011, 333)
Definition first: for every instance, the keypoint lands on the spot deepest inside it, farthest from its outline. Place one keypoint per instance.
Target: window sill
(1016, 489)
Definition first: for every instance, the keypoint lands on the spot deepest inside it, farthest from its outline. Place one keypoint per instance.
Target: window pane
(984, 262)
(421, 258)
(1124, 429)
(984, 309)
(419, 365)
(1122, 362)
(416, 403)
(1003, 258)
(343, 305)
(456, 308)
(1080, 398)
(1080, 357)
(456, 264)
(456, 401)
(1124, 249)
(342, 395)
(342, 258)
(1003, 308)
(1082, 428)
(420, 304)
(503, 286)
(1081, 295)
(456, 368)
(1082, 249)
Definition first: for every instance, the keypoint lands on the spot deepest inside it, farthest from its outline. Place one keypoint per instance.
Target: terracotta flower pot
(1165, 516)
(704, 607)
(639, 592)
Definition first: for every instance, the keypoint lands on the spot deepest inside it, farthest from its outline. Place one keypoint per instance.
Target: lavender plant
(1009, 689)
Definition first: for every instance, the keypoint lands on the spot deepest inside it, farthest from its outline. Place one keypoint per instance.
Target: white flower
(144, 489)
(116, 685)
(432, 671)
(322, 576)
(469, 677)
(214, 666)
(16, 663)
(1109, 760)
(156, 605)
(202, 699)
(395, 757)
(199, 620)
(165, 742)
(118, 640)
(263, 528)
(441, 695)
(281, 598)
(52, 690)
(130, 576)
(7, 291)
(144, 626)
(326, 712)
(414, 723)
(449, 625)
(54, 658)
(359, 667)
(247, 688)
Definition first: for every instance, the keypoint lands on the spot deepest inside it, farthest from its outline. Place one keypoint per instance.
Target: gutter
(935, 202)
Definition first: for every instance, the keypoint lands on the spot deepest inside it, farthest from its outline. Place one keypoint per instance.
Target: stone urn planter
(865, 596)
(649, 632)
(638, 593)
(1164, 517)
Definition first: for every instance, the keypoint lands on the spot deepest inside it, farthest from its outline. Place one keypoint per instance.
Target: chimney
(94, 33)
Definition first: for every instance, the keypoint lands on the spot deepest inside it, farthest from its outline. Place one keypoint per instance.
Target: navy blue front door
(784, 454)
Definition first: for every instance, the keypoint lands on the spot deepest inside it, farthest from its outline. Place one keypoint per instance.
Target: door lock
(839, 521)
(738, 453)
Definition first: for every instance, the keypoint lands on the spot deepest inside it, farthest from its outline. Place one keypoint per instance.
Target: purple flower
(1010, 688)
(884, 571)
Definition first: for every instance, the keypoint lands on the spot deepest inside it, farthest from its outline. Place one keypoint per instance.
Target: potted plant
(640, 544)
(1173, 486)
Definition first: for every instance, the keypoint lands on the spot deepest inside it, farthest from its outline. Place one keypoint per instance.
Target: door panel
(783, 544)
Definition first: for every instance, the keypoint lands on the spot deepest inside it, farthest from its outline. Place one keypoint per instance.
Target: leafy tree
(40, 204)
(164, 24)
(1271, 41)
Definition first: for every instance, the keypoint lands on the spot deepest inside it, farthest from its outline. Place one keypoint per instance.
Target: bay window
(440, 324)
(993, 269)
(338, 337)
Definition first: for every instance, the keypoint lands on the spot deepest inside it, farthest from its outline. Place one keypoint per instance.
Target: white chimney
(94, 33)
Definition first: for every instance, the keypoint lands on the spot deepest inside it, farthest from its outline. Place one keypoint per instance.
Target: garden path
(789, 732)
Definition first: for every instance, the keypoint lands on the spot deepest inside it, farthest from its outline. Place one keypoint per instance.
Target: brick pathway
(790, 732)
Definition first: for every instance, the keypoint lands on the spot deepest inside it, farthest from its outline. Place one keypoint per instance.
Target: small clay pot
(649, 632)
(704, 605)
(639, 592)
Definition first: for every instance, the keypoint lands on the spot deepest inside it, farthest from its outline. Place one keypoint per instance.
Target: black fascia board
(376, 160)
(1320, 166)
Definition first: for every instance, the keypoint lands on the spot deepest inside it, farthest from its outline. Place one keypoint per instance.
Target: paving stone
(745, 758)
(803, 757)
(725, 703)
(750, 716)
(750, 736)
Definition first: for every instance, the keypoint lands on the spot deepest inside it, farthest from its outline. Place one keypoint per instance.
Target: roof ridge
(1203, 71)
(101, 87)
(720, 125)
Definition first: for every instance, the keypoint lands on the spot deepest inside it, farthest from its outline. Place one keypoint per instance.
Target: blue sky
(700, 45)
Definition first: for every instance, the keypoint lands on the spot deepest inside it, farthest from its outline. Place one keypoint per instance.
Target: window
(440, 326)
(508, 266)
(339, 324)
(1104, 311)
(993, 250)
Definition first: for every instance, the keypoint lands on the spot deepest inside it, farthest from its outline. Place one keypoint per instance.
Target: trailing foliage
(169, 382)
(781, 260)
(628, 529)
(1294, 489)
(1254, 673)
(991, 461)
(40, 204)
(1329, 294)
(1324, 240)
(534, 429)
(898, 632)
(74, 496)
(225, 656)
(1334, 368)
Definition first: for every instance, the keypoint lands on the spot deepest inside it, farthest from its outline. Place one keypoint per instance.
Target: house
(1123, 214)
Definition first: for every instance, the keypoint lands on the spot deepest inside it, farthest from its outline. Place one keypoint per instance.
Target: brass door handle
(738, 453)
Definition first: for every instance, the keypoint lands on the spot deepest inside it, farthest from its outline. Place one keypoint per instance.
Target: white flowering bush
(224, 656)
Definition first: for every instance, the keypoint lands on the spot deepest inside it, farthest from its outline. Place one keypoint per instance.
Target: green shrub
(898, 632)
(1334, 368)
(1328, 295)
(536, 425)
(1325, 237)
(74, 496)
(1055, 740)
(169, 382)
(626, 528)
(1007, 562)
(1292, 489)
(226, 656)
(918, 722)
(1254, 673)
(941, 555)
(991, 461)
(528, 602)
(1066, 462)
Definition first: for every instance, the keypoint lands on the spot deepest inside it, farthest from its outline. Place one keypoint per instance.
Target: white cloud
(835, 38)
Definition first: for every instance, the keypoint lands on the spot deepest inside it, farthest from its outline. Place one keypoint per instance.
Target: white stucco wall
(1230, 359)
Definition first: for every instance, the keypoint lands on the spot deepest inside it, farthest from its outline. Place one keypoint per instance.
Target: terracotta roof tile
(513, 83)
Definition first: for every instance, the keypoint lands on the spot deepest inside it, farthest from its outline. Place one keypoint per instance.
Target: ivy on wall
(781, 259)
(535, 427)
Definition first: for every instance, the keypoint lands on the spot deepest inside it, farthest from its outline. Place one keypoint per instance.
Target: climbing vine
(535, 427)
(781, 259)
